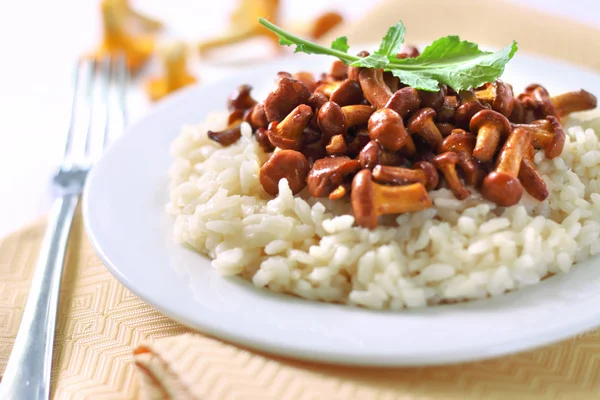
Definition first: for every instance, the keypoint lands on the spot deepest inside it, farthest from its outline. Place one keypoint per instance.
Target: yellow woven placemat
(100, 323)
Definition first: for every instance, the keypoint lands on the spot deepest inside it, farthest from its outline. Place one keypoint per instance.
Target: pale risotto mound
(454, 251)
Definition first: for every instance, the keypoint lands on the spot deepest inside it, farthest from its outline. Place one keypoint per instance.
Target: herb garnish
(459, 64)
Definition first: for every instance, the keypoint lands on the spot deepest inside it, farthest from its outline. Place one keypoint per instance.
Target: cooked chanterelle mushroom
(128, 32)
(359, 135)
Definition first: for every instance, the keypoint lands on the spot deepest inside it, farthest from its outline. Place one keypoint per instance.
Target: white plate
(124, 215)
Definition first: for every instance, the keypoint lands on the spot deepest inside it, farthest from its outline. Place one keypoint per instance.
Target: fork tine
(122, 78)
(104, 112)
(82, 67)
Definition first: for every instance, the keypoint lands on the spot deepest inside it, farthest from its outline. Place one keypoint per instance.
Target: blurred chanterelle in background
(127, 32)
(175, 74)
(244, 24)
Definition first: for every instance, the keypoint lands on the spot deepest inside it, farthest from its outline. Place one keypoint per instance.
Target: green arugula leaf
(373, 61)
(458, 64)
(340, 44)
(392, 41)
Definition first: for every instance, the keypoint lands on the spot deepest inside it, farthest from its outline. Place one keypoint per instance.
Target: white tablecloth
(40, 39)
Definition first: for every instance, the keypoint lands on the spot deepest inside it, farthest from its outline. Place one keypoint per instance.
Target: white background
(39, 41)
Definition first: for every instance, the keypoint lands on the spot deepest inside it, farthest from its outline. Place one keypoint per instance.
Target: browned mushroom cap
(257, 118)
(404, 101)
(235, 117)
(287, 134)
(521, 114)
(571, 102)
(307, 78)
(354, 71)
(337, 146)
(317, 100)
(282, 74)
(421, 123)
(335, 120)
(445, 128)
(228, 136)
(469, 106)
(328, 173)
(358, 141)
(240, 98)
(530, 178)
(499, 96)
(502, 186)
(289, 94)
(374, 88)
(446, 163)
(370, 200)
(433, 99)
(423, 172)
(547, 134)
(373, 154)
(392, 81)
(537, 98)
(338, 71)
(289, 164)
(408, 52)
(462, 143)
(263, 140)
(387, 127)
(489, 126)
(448, 109)
(343, 93)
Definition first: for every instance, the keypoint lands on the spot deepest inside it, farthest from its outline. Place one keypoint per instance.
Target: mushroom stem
(374, 87)
(423, 173)
(357, 114)
(531, 179)
(571, 102)
(446, 163)
(287, 134)
(421, 123)
(546, 134)
(462, 143)
(370, 200)
(502, 186)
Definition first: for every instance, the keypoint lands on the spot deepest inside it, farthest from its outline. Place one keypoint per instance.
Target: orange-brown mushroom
(288, 94)
(489, 126)
(445, 128)
(337, 146)
(537, 98)
(373, 154)
(547, 134)
(433, 99)
(499, 96)
(446, 163)
(241, 99)
(462, 143)
(328, 173)
(354, 71)
(374, 87)
(469, 106)
(338, 71)
(262, 138)
(344, 93)
(289, 164)
(422, 172)
(502, 186)
(571, 102)
(307, 78)
(530, 178)
(448, 109)
(421, 123)
(335, 120)
(387, 127)
(404, 101)
(287, 134)
(370, 199)
(408, 52)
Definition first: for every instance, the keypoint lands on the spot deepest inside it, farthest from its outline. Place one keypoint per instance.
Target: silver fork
(98, 106)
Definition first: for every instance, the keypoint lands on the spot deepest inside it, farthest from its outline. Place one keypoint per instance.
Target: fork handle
(27, 374)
